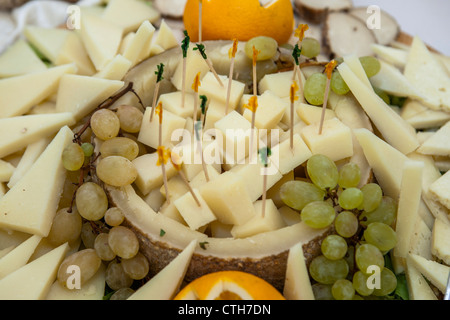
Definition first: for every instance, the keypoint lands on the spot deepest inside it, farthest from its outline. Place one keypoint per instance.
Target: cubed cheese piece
(31, 204)
(438, 144)
(194, 64)
(129, 14)
(33, 280)
(228, 198)
(297, 285)
(176, 188)
(269, 113)
(422, 117)
(435, 272)
(200, 178)
(298, 128)
(334, 142)
(211, 88)
(37, 85)
(137, 47)
(195, 216)
(19, 256)
(149, 132)
(440, 240)
(312, 114)
(167, 282)
(428, 76)
(6, 170)
(214, 112)
(271, 220)
(172, 102)
(101, 39)
(89, 93)
(253, 172)
(19, 132)
(287, 159)
(149, 174)
(169, 210)
(19, 59)
(278, 83)
(220, 230)
(440, 189)
(274, 192)
(289, 215)
(408, 206)
(287, 113)
(155, 199)
(235, 133)
(115, 69)
(400, 134)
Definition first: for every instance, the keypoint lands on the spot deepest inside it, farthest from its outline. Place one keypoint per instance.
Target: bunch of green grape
(361, 217)
(87, 215)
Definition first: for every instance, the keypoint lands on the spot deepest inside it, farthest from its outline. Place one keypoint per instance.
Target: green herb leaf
(201, 48)
(162, 232)
(159, 72)
(203, 245)
(296, 54)
(185, 44)
(203, 103)
(264, 154)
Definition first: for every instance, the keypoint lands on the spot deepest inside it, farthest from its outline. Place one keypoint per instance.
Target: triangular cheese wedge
(20, 59)
(49, 41)
(33, 280)
(129, 14)
(297, 285)
(31, 204)
(440, 190)
(100, 38)
(394, 56)
(417, 285)
(400, 134)
(438, 144)
(428, 76)
(165, 284)
(73, 51)
(435, 272)
(18, 132)
(441, 239)
(21, 93)
(165, 38)
(115, 69)
(89, 93)
(391, 80)
(93, 289)
(18, 257)
(139, 43)
(421, 117)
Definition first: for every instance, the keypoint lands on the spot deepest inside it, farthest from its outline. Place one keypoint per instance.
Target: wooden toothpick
(232, 56)
(201, 48)
(255, 80)
(163, 157)
(293, 98)
(300, 34)
(329, 71)
(252, 105)
(195, 86)
(200, 20)
(176, 162)
(159, 77)
(184, 47)
(264, 154)
(159, 112)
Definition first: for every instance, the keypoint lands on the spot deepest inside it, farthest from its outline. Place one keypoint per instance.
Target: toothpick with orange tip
(195, 86)
(264, 154)
(293, 98)
(201, 48)
(252, 105)
(159, 112)
(163, 157)
(159, 77)
(255, 81)
(184, 48)
(300, 34)
(232, 56)
(176, 161)
(329, 71)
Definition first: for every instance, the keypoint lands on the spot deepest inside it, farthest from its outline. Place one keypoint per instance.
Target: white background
(429, 19)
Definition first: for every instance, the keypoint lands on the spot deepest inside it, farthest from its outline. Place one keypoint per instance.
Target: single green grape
(368, 255)
(386, 213)
(346, 224)
(372, 196)
(371, 65)
(91, 201)
(318, 214)
(350, 198)
(322, 171)
(310, 47)
(322, 291)
(328, 271)
(334, 247)
(360, 283)
(343, 289)
(338, 84)
(266, 46)
(388, 283)
(349, 175)
(73, 157)
(314, 88)
(380, 235)
(297, 194)
(88, 149)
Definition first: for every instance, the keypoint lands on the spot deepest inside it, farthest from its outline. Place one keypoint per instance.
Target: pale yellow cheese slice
(355, 65)
(115, 69)
(165, 284)
(164, 38)
(33, 280)
(19, 132)
(31, 204)
(93, 289)
(440, 189)
(101, 39)
(279, 83)
(408, 205)
(73, 51)
(394, 129)
(135, 49)
(418, 287)
(6, 170)
(311, 114)
(394, 56)
(428, 76)
(21, 93)
(18, 257)
(435, 272)
(195, 215)
(269, 113)
(49, 41)
(441, 239)
(438, 144)
(297, 285)
(422, 117)
(90, 93)
(19, 59)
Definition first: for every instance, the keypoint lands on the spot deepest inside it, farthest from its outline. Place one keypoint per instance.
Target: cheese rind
(440, 189)
(435, 272)
(440, 240)
(438, 144)
(297, 285)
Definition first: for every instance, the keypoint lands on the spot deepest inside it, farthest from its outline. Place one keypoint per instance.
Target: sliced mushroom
(388, 28)
(315, 11)
(344, 34)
